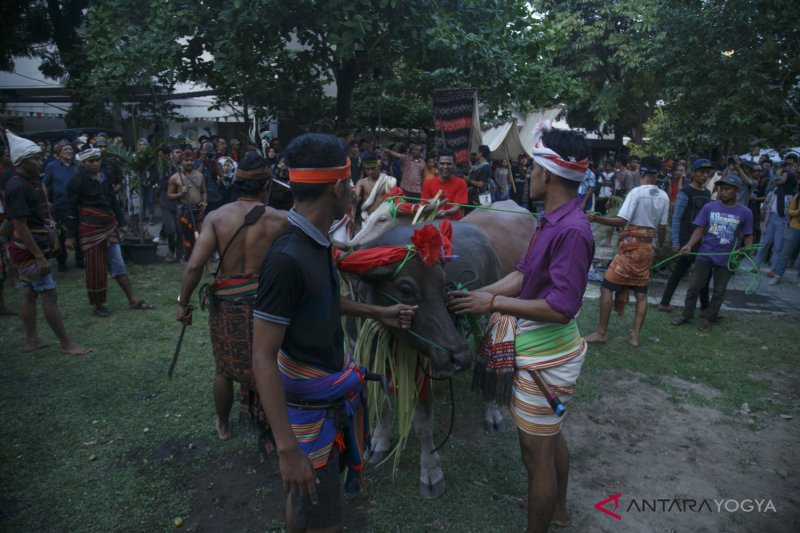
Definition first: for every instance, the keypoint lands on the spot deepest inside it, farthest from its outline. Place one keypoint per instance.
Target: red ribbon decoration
(430, 243)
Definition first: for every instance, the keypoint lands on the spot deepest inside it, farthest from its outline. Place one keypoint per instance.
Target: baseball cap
(730, 179)
(701, 163)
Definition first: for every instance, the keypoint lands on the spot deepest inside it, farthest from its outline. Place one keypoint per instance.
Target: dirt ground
(658, 452)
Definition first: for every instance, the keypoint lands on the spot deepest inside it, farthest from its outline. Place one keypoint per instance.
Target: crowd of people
(274, 302)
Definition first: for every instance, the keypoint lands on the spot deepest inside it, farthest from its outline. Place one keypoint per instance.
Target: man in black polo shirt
(306, 381)
(30, 247)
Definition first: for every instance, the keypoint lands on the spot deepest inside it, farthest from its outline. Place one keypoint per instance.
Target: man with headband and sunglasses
(533, 328)
(644, 211)
(309, 386)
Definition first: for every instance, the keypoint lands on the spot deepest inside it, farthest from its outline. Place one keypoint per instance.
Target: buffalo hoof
(377, 456)
(431, 492)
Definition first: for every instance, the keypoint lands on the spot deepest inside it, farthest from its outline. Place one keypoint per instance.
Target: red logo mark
(615, 498)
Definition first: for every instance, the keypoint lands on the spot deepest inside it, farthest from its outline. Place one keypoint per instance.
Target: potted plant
(137, 242)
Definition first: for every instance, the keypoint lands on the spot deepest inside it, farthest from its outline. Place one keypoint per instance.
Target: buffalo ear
(379, 273)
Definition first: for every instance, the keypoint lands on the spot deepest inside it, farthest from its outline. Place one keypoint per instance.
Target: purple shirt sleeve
(570, 256)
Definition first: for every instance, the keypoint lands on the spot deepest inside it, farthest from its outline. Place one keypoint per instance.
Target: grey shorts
(328, 510)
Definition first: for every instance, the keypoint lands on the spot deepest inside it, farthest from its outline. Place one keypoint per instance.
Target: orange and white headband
(550, 160)
(319, 175)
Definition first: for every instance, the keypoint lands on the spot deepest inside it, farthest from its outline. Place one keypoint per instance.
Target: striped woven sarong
(97, 230)
(332, 410)
(22, 259)
(230, 320)
(19, 252)
(557, 352)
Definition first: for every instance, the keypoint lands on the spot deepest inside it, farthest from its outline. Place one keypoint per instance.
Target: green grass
(79, 433)
(729, 359)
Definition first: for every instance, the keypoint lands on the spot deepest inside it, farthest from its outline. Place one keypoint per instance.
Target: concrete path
(781, 298)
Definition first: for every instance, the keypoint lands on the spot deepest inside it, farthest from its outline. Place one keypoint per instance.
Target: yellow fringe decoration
(378, 350)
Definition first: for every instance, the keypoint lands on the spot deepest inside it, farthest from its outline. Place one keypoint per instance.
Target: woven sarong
(632, 261)
(494, 369)
(557, 352)
(98, 230)
(327, 409)
(19, 252)
(230, 320)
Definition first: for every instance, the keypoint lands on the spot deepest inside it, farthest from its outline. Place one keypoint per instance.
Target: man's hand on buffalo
(397, 316)
(473, 303)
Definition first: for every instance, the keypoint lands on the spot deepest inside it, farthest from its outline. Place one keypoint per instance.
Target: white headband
(547, 158)
(88, 153)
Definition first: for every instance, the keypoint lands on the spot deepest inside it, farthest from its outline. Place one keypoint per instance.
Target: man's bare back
(248, 250)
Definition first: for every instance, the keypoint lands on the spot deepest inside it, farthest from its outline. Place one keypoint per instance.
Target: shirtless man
(363, 196)
(231, 297)
(188, 187)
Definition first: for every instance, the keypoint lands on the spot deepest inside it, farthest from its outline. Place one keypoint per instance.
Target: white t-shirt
(646, 206)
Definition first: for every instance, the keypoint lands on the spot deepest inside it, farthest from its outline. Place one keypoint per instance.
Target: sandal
(681, 320)
(101, 311)
(706, 327)
(141, 304)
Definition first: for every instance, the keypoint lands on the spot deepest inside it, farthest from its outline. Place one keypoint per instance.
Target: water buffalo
(508, 229)
(475, 261)
(425, 286)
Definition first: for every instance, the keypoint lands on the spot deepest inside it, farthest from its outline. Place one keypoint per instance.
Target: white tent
(503, 141)
(773, 155)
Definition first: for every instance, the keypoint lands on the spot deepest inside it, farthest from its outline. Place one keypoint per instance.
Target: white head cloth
(20, 148)
(88, 154)
(550, 160)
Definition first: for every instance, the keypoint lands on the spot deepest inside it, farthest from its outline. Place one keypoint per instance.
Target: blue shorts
(29, 278)
(116, 265)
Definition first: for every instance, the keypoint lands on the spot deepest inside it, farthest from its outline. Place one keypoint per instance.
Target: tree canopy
(670, 74)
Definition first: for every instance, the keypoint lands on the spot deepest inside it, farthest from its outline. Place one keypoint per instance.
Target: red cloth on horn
(361, 261)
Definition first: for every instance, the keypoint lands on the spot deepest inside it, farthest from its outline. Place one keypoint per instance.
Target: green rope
(410, 252)
(474, 331)
(411, 331)
(735, 258)
(393, 207)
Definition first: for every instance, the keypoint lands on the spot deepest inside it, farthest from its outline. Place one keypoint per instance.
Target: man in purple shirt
(720, 225)
(533, 329)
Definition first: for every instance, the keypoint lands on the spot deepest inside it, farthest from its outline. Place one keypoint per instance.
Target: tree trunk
(346, 75)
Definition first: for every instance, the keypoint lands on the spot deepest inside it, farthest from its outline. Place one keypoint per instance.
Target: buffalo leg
(492, 418)
(431, 477)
